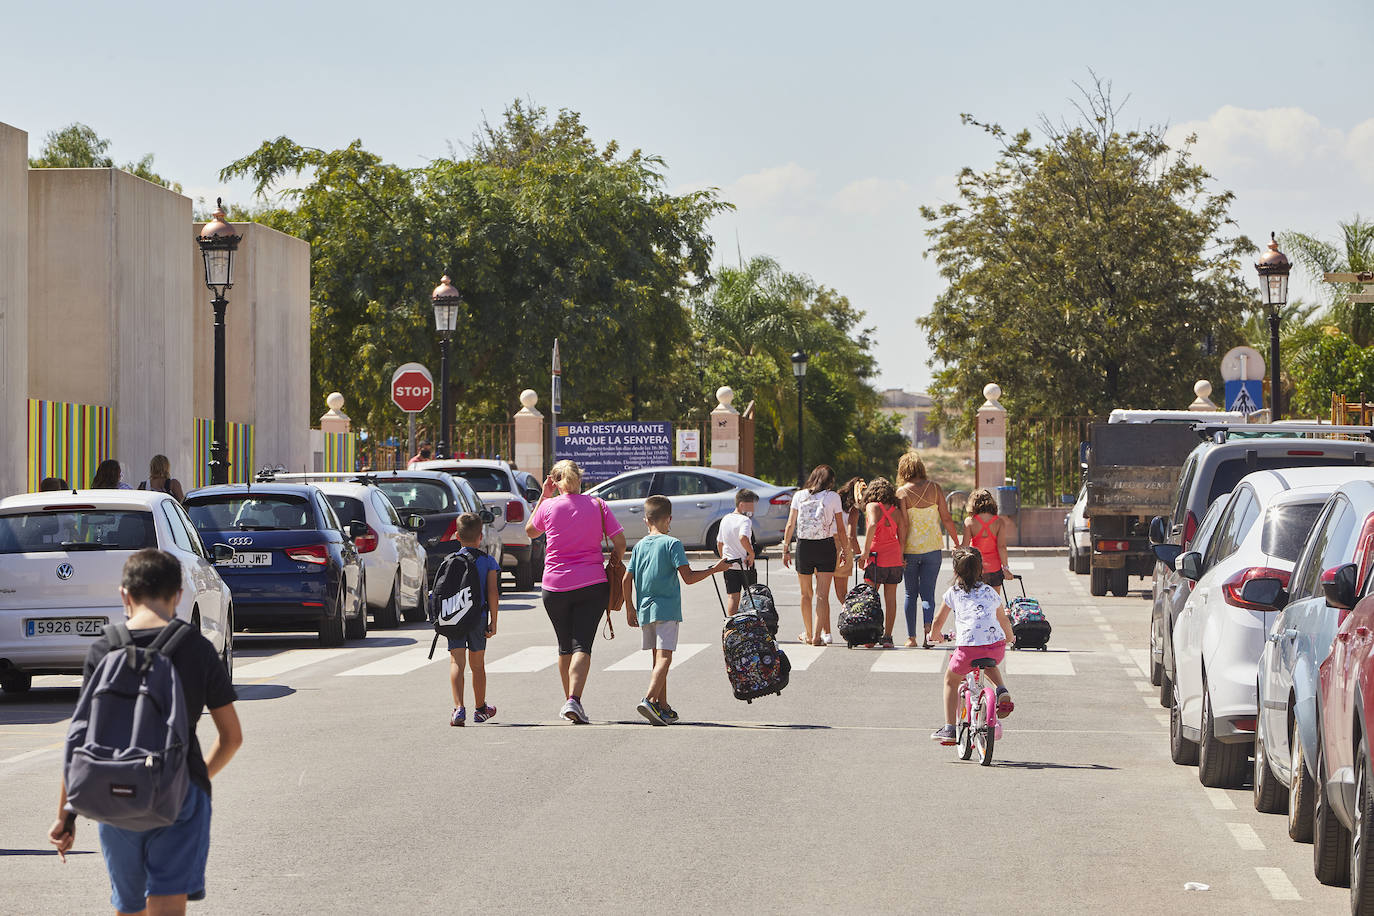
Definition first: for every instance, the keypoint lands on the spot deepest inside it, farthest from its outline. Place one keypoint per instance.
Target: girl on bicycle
(981, 630)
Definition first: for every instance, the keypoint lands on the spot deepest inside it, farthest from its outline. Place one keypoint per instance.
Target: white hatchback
(1219, 635)
(61, 560)
(391, 554)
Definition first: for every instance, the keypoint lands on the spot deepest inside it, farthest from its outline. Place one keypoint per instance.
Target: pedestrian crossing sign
(1245, 396)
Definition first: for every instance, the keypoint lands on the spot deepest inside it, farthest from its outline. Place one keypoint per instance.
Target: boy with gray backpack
(132, 760)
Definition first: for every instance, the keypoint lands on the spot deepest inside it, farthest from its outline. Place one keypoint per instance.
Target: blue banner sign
(604, 450)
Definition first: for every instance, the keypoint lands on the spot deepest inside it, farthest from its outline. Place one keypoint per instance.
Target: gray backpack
(126, 748)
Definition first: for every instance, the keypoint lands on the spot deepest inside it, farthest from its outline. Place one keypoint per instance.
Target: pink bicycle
(977, 726)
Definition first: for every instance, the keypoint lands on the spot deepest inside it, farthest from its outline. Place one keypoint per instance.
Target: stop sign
(412, 388)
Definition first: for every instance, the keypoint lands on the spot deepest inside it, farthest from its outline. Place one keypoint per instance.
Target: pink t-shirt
(574, 525)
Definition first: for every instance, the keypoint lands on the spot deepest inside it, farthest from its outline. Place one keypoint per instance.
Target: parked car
(1077, 536)
(294, 566)
(1301, 638)
(701, 497)
(496, 483)
(1174, 589)
(393, 560)
(62, 558)
(1219, 636)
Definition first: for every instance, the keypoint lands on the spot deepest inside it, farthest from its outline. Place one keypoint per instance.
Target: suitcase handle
(1019, 579)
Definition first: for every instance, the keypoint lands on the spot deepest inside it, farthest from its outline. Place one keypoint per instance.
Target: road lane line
(640, 661)
(397, 663)
(284, 662)
(1276, 881)
(36, 752)
(910, 661)
(1162, 719)
(801, 656)
(527, 660)
(1141, 657)
(1150, 701)
(1220, 800)
(1245, 836)
(1039, 663)
(1106, 627)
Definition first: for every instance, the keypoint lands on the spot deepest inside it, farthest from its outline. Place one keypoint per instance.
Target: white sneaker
(574, 713)
(825, 638)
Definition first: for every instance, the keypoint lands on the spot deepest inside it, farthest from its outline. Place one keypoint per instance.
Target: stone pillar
(991, 448)
(1203, 389)
(725, 432)
(14, 310)
(334, 419)
(529, 435)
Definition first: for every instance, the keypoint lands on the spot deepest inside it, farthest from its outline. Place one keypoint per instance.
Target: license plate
(248, 559)
(64, 626)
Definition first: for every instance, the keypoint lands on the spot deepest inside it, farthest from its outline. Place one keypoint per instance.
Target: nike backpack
(459, 597)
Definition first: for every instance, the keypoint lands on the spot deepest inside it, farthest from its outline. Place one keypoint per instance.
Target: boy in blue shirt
(472, 649)
(654, 567)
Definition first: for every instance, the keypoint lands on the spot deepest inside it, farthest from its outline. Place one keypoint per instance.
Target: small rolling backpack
(1028, 623)
(861, 619)
(759, 599)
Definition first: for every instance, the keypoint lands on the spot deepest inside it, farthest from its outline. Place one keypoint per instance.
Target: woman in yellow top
(923, 501)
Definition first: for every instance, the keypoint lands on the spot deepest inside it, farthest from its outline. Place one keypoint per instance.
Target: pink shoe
(1004, 704)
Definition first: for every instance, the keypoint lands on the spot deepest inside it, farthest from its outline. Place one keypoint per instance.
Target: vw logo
(65, 571)
(240, 542)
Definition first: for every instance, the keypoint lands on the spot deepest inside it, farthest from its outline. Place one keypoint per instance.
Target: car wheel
(1330, 839)
(332, 625)
(1181, 751)
(1300, 789)
(417, 613)
(389, 615)
(1121, 582)
(1220, 766)
(711, 534)
(1270, 795)
(17, 682)
(1166, 689)
(356, 627)
(226, 655)
(1361, 861)
(1098, 586)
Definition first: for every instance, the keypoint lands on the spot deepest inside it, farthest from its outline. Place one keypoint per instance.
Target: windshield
(253, 512)
(423, 497)
(52, 531)
(483, 480)
(1286, 529)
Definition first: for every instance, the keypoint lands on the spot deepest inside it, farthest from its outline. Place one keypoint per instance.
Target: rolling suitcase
(861, 619)
(1028, 623)
(754, 664)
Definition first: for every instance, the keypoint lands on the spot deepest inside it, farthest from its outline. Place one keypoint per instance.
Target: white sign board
(689, 445)
(1242, 364)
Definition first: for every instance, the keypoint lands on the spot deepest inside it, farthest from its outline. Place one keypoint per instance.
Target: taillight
(1254, 589)
(782, 499)
(451, 533)
(1112, 546)
(1306, 452)
(1364, 553)
(515, 511)
(310, 553)
(1189, 529)
(367, 542)
(1244, 725)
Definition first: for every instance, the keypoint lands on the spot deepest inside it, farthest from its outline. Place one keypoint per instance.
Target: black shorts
(994, 579)
(575, 615)
(816, 556)
(736, 579)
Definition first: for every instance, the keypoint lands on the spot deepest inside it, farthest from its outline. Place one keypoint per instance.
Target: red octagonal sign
(412, 388)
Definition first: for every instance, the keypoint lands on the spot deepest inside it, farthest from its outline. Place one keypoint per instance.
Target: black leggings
(575, 615)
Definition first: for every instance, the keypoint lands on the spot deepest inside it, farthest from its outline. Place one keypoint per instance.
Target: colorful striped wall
(67, 441)
(241, 465)
(340, 450)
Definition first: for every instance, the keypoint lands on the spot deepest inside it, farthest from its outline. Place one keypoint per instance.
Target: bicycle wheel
(984, 731)
(963, 733)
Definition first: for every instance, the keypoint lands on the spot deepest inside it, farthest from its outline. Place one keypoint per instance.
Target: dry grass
(951, 468)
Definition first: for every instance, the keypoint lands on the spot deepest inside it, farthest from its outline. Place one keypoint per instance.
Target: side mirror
(487, 516)
(1159, 530)
(357, 529)
(1189, 565)
(415, 522)
(1167, 553)
(1266, 592)
(222, 553)
(1339, 584)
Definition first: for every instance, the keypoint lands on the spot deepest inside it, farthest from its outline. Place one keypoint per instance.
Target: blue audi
(294, 565)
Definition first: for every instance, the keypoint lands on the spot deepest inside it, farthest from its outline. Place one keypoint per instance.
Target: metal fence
(1042, 457)
(484, 440)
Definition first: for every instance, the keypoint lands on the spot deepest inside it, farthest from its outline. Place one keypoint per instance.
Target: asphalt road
(353, 795)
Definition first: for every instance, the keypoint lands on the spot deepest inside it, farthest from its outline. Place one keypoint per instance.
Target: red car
(1344, 809)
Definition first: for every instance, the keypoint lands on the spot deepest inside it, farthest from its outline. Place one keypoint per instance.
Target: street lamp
(218, 242)
(446, 305)
(799, 370)
(1273, 267)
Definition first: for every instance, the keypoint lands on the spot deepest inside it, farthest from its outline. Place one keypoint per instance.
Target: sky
(827, 125)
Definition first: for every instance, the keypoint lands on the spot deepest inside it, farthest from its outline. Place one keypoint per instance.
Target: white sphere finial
(1202, 388)
(528, 398)
(335, 400)
(992, 391)
(725, 394)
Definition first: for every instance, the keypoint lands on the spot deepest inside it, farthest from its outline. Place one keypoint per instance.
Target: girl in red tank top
(985, 531)
(883, 547)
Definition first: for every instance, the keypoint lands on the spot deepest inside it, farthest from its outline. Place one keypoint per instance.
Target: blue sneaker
(649, 710)
(668, 714)
(944, 734)
(460, 716)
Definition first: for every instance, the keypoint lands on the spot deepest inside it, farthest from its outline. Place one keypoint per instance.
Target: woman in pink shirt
(576, 592)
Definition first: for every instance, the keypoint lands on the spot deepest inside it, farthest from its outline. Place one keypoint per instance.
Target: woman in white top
(817, 519)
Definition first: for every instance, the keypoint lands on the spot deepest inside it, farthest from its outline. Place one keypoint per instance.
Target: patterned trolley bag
(1028, 622)
(759, 599)
(754, 664)
(861, 618)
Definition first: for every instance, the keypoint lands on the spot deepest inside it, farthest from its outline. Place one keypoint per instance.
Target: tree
(545, 234)
(1355, 254)
(1338, 365)
(1083, 273)
(78, 146)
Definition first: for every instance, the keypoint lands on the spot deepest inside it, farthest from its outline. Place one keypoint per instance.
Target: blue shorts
(164, 860)
(476, 641)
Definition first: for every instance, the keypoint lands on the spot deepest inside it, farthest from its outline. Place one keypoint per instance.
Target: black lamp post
(446, 305)
(218, 242)
(799, 370)
(1273, 267)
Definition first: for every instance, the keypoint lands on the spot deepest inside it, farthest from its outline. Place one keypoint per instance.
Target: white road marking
(1220, 800)
(910, 661)
(284, 662)
(1141, 657)
(1276, 882)
(527, 660)
(1162, 719)
(57, 680)
(642, 660)
(801, 656)
(1245, 836)
(1105, 627)
(398, 663)
(1034, 662)
(36, 752)
(1144, 687)
(1150, 701)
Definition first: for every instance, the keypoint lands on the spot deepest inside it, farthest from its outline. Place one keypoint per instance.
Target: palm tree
(1355, 254)
(1300, 327)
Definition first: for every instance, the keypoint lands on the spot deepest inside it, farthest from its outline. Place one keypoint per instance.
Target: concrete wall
(267, 373)
(14, 328)
(1039, 526)
(107, 305)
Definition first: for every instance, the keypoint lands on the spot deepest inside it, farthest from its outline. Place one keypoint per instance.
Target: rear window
(251, 512)
(54, 531)
(419, 496)
(483, 480)
(347, 509)
(1286, 529)
(1229, 472)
